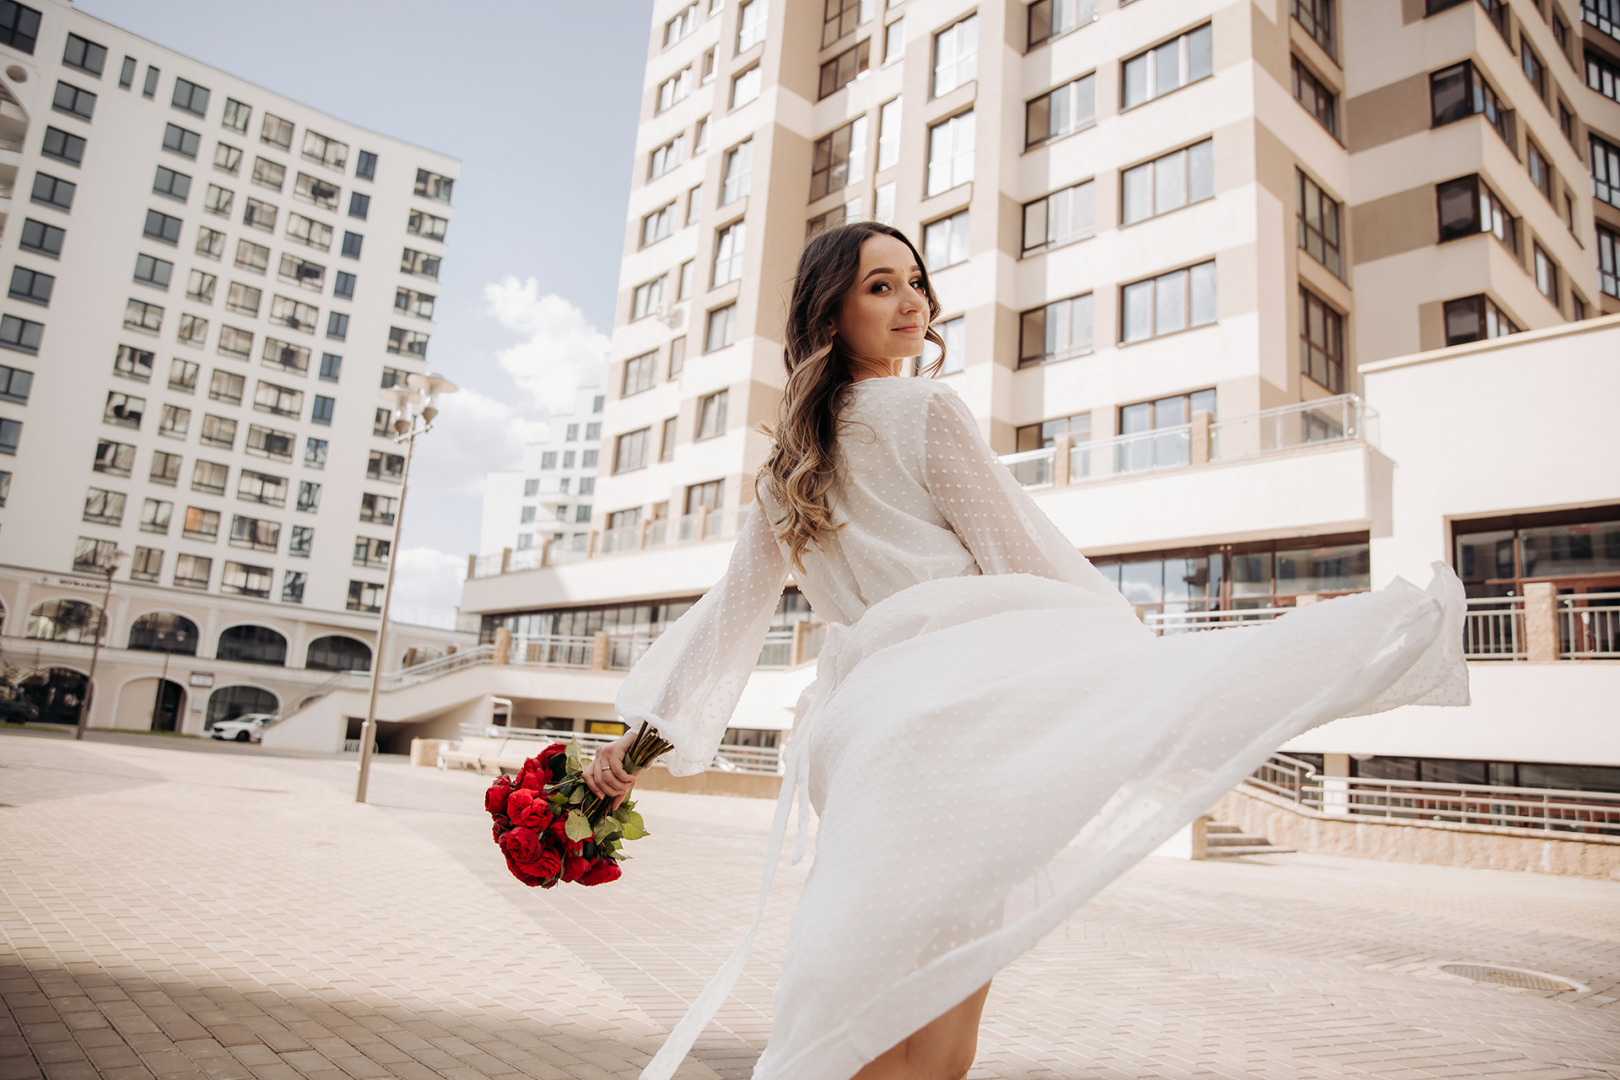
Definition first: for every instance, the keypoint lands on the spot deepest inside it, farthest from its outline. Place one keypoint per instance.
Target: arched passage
(229, 702)
(66, 620)
(252, 645)
(336, 653)
(150, 705)
(164, 631)
(57, 693)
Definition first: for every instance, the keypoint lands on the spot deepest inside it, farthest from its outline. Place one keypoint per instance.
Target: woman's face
(882, 317)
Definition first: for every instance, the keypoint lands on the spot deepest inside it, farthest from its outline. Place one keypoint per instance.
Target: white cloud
(427, 587)
(561, 350)
(472, 435)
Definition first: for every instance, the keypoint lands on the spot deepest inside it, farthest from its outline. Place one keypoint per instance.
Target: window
(331, 367)
(377, 508)
(311, 276)
(325, 151)
(682, 24)
(1316, 16)
(1061, 112)
(711, 417)
(950, 153)
(245, 580)
(894, 41)
(838, 215)
(162, 228)
(300, 541)
(658, 225)
(228, 387)
(745, 87)
(647, 299)
(638, 374)
(280, 400)
(1056, 331)
(193, 330)
(309, 496)
(419, 263)
(360, 206)
(262, 488)
(1169, 302)
(256, 533)
(956, 55)
(11, 434)
(288, 357)
(587, 460)
(945, 242)
(149, 87)
(407, 342)
(371, 552)
(392, 376)
(1169, 449)
(337, 326)
(738, 167)
(666, 157)
(1170, 182)
(307, 231)
(1540, 171)
(683, 288)
(384, 466)
(32, 286)
(236, 115)
(156, 514)
(425, 225)
(51, 191)
(182, 141)
(73, 101)
(351, 245)
(722, 328)
(1546, 274)
(138, 315)
(322, 414)
(218, 430)
(200, 524)
(190, 97)
(24, 335)
(147, 564)
(259, 215)
(217, 200)
(165, 467)
(1460, 91)
(227, 158)
(210, 243)
(19, 26)
(174, 422)
(700, 138)
(192, 571)
(839, 159)
(1475, 318)
(1608, 244)
(41, 238)
(182, 374)
(276, 131)
(293, 314)
(1321, 342)
(343, 283)
(1176, 63)
(365, 596)
(630, 451)
(1317, 99)
(244, 299)
(1602, 75)
(1050, 19)
(1318, 224)
(845, 68)
(104, 507)
(1534, 70)
(94, 555)
(133, 363)
(310, 189)
(1467, 206)
(60, 145)
(15, 384)
(365, 166)
(251, 256)
(728, 254)
(702, 497)
(292, 586)
(81, 53)
(268, 442)
(123, 410)
(112, 458)
(751, 24)
(841, 17)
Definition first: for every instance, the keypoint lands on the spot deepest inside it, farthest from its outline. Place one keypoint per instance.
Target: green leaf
(577, 795)
(634, 828)
(576, 760)
(605, 827)
(578, 827)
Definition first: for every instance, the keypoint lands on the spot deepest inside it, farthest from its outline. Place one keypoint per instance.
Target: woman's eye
(880, 286)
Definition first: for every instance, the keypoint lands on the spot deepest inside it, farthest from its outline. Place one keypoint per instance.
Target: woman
(992, 735)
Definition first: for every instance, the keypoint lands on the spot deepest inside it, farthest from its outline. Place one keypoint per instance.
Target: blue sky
(539, 100)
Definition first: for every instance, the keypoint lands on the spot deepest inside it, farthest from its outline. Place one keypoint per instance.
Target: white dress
(992, 735)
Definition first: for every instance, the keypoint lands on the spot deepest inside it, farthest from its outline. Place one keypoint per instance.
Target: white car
(248, 728)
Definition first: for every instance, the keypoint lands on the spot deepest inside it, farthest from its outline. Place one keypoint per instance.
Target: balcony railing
(1589, 626)
(690, 528)
(1289, 427)
(1493, 628)
(1538, 810)
(758, 760)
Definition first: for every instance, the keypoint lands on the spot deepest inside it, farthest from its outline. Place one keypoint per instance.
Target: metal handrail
(1033, 468)
(1163, 622)
(1588, 630)
(1342, 418)
(755, 760)
(1493, 628)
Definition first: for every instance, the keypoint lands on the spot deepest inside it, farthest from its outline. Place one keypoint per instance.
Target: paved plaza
(192, 912)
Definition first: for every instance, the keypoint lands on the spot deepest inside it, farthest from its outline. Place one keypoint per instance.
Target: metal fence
(1589, 626)
(755, 760)
(1493, 628)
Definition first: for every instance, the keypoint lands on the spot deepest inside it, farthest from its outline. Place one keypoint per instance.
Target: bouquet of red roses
(551, 827)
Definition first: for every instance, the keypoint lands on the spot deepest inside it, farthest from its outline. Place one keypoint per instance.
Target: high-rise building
(209, 283)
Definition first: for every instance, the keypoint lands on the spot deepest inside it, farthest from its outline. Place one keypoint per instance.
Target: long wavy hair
(801, 473)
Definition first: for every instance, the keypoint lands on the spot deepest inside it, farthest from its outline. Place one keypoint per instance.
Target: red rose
(527, 879)
(529, 809)
(574, 867)
(502, 826)
(546, 864)
(521, 845)
(531, 777)
(604, 871)
(495, 797)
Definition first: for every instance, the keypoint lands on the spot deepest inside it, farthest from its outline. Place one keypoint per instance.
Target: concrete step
(1215, 828)
(1225, 841)
(1226, 852)
(1234, 839)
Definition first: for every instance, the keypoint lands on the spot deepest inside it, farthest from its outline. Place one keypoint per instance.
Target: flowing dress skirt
(986, 753)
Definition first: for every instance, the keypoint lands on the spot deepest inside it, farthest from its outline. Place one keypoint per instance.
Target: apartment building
(541, 511)
(209, 283)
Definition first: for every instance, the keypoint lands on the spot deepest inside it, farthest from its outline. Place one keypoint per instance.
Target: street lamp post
(104, 626)
(413, 408)
(165, 638)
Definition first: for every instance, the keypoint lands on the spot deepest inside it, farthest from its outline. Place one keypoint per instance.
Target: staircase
(1225, 841)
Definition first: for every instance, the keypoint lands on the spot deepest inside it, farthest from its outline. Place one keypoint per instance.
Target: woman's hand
(606, 776)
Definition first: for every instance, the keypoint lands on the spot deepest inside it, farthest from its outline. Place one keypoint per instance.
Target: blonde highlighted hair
(801, 473)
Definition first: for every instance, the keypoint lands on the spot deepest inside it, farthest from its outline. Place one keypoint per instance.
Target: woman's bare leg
(942, 1049)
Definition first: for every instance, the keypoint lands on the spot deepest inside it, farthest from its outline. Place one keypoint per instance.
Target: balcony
(693, 528)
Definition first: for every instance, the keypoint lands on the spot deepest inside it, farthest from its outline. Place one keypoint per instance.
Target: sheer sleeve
(688, 682)
(988, 509)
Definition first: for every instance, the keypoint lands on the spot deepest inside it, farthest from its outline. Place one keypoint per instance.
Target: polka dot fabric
(992, 735)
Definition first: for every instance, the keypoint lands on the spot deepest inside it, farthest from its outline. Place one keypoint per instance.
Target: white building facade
(209, 283)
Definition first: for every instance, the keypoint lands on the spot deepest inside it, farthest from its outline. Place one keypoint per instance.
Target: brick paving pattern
(230, 916)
